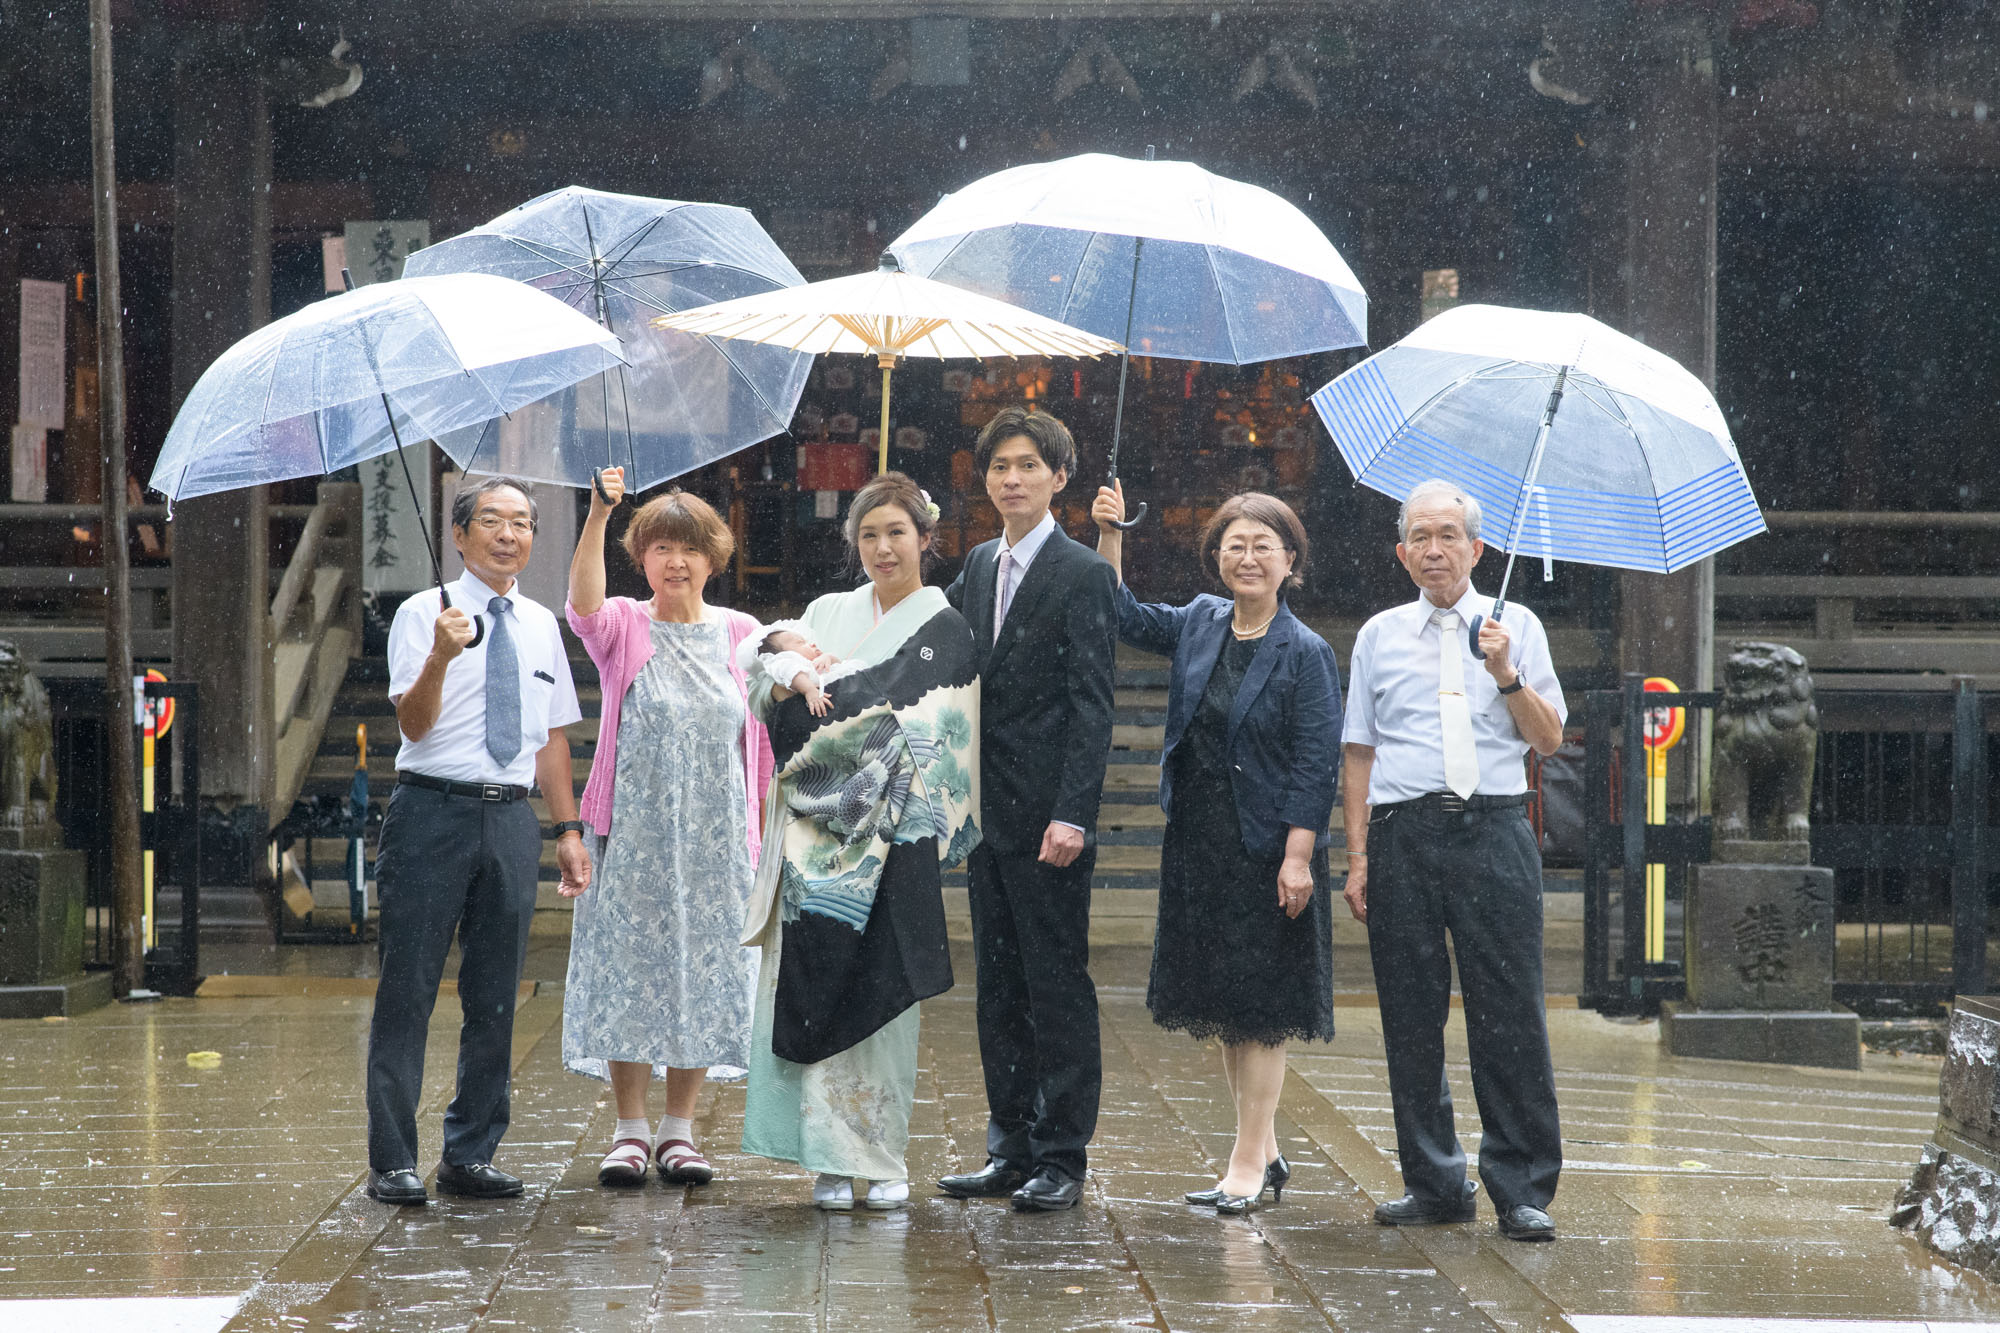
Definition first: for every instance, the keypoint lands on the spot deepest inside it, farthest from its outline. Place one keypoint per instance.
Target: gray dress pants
(448, 866)
(1478, 875)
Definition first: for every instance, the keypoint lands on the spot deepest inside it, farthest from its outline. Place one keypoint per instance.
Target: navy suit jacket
(1284, 728)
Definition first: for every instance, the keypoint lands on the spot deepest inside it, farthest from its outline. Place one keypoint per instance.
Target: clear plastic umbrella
(1578, 442)
(1168, 258)
(681, 400)
(358, 374)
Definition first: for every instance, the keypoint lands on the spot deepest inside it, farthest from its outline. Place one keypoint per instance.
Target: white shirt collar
(1471, 603)
(1025, 549)
(471, 594)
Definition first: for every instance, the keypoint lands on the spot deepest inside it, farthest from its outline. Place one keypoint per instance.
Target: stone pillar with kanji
(1759, 920)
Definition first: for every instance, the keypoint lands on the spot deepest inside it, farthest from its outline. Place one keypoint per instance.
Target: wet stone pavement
(132, 1185)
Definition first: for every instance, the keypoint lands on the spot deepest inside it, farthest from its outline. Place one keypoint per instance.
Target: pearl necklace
(1254, 630)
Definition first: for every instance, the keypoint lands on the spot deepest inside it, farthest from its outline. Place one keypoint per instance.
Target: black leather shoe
(477, 1181)
(399, 1187)
(1277, 1174)
(1522, 1222)
(1048, 1192)
(995, 1180)
(1414, 1211)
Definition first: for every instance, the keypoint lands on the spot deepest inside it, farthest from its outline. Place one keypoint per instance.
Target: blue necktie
(503, 688)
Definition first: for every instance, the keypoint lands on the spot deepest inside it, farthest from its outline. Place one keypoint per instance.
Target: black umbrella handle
(1127, 524)
(478, 625)
(597, 484)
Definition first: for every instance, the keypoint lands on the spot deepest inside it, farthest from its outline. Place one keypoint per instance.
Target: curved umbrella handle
(478, 625)
(596, 484)
(1472, 630)
(1127, 524)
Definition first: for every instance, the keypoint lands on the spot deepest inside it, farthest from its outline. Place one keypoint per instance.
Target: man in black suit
(1043, 609)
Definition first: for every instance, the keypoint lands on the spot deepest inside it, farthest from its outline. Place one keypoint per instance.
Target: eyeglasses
(1262, 550)
(491, 523)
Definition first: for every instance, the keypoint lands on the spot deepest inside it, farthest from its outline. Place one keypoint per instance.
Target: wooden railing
(1876, 630)
(315, 630)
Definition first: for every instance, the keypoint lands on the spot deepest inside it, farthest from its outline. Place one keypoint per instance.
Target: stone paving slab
(1693, 1189)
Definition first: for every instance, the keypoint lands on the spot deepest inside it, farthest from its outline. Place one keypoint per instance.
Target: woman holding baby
(872, 704)
(658, 978)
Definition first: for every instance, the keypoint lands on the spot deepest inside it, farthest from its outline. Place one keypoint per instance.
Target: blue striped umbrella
(1578, 442)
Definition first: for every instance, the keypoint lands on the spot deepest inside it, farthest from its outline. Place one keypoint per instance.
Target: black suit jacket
(1045, 691)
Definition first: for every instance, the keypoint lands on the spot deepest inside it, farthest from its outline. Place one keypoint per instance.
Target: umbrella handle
(478, 625)
(1138, 517)
(1472, 630)
(596, 484)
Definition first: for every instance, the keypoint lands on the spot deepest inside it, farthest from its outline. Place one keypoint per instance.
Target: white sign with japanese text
(393, 558)
(30, 465)
(375, 251)
(42, 353)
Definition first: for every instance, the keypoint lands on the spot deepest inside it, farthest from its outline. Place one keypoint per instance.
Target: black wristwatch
(567, 826)
(1515, 688)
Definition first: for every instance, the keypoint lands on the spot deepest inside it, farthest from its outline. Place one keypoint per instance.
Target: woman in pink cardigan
(658, 978)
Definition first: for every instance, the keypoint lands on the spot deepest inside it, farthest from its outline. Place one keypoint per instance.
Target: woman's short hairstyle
(1050, 437)
(897, 489)
(1274, 514)
(679, 517)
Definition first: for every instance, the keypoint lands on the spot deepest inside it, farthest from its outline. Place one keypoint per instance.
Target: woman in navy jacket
(1244, 947)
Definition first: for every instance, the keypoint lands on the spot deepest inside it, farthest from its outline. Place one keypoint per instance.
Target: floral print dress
(657, 971)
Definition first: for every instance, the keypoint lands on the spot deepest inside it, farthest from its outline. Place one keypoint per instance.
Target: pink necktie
(1003, 591)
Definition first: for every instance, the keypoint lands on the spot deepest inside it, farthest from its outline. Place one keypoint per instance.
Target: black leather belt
(1451, 803)
(479, 791)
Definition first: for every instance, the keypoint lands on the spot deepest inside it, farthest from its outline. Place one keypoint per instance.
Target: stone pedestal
(1952, 1202)
(41, 935)
(1760, 967)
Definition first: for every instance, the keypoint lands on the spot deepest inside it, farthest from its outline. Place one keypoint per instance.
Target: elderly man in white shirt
(1436, 739)
(460, 849)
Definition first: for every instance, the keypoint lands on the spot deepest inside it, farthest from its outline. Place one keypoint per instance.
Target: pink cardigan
(619, 638)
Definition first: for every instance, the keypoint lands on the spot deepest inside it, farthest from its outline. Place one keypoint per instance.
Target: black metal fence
(1902, 803)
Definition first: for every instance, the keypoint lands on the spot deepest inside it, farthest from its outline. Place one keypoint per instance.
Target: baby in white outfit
(788, 655)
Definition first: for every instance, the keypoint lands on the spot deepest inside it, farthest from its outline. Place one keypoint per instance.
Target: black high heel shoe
(1276, 1176)
(1236, 1205)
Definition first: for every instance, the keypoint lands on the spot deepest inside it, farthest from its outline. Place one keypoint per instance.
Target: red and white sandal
(681, 1163)
(624, 1165)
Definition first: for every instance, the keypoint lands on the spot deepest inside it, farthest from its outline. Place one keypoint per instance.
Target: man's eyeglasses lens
(521, 527)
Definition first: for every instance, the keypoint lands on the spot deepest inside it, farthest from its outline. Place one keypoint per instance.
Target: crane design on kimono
(868, 800)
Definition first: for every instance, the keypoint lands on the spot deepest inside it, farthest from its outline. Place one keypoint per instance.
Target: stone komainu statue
(27, 745)
(1766, 734)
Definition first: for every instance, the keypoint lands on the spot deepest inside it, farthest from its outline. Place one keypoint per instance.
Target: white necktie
(1003, 590)
(1461, 758)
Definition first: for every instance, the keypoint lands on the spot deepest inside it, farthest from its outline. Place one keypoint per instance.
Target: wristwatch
(1515, 688)
(566, 826)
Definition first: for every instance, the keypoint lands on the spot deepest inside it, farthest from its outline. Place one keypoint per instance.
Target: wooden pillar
(1667, 622)
(221, 292)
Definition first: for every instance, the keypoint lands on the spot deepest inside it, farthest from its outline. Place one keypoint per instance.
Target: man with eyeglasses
(1438, 841)
(482, 691)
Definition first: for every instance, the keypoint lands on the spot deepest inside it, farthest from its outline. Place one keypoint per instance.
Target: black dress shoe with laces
(1048, 1192)
(1416, 1211)
(1526, 1222)
(995, 1180)
(398, 1187)
(480, 1180)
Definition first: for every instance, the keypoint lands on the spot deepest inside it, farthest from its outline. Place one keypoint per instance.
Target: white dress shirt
(1392, 699)
(1023, 552)
(455, 746)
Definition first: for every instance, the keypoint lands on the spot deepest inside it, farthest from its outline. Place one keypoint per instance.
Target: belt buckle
(1452, 803)
(492, 791)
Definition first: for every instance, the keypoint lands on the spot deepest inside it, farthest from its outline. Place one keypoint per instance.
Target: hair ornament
(930, 505)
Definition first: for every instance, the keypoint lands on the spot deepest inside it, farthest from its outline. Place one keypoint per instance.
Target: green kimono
(866, 805)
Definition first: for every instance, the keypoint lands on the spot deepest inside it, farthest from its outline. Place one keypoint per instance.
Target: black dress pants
(1478, 875)
(448, 865)
(1037, 1008)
